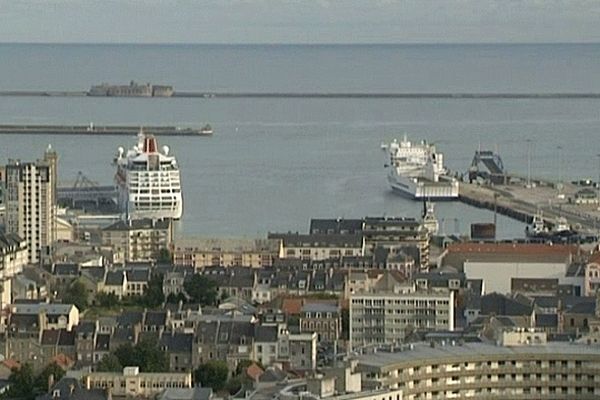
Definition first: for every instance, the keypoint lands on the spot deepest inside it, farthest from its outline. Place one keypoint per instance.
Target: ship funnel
(166, 150)
(150, 145)
(120, 151)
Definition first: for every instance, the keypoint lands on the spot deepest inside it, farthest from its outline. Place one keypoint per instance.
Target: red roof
(11, 363)
(292, 306)
(63, 361)
(254, 371)
(512, 248)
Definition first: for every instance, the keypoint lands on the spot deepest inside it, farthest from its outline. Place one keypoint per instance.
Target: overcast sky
(307, 21)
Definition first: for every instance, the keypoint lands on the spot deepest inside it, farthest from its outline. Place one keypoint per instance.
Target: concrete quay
(521, 203)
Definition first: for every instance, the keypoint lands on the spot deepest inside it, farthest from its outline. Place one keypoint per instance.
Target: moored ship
(417, 171)
(148, 181)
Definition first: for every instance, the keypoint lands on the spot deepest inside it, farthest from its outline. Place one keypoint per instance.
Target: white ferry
(148, 181)
(417, 171)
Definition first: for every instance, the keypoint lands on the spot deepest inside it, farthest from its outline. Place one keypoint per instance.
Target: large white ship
(417, 171)
(148, 181)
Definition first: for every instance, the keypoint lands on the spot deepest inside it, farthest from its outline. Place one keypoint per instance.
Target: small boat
(206, 130)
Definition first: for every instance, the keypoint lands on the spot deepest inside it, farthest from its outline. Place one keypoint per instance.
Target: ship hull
(423, 190)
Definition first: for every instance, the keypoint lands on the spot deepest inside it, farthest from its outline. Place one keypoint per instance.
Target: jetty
(522, 202)
(95, 130)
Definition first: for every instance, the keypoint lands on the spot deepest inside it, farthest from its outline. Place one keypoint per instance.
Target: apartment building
(139, 240)
(318, 247)
(201, 253)
(522, 365)
(390, 233)
(30, 200)
(389, 315)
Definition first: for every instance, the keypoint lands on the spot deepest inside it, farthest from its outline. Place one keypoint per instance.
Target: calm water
(274, 163)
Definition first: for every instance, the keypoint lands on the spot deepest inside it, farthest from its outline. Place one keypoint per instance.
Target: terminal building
(521, 365)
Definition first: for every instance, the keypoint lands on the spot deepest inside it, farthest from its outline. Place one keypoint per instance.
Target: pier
(94, 130)
(521, 202)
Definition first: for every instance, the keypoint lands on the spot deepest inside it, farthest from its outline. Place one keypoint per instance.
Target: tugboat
(206, 130)
(561, 231)
(538, 227)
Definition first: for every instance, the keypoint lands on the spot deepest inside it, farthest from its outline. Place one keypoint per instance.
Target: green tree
(109, 363)
(146, 354)
(108, 300)
(164, 256)
(154, 296)
(201, 290)
(21, 383)
(345, 324)
(212, 374)
(176, 298)
(41, 381)
(76, 294)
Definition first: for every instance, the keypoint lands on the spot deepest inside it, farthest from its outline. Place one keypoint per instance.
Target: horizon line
(297, 43)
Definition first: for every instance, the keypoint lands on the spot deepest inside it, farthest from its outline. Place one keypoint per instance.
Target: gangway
(487, 165)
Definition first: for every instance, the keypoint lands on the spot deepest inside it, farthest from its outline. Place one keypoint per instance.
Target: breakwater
(92, 130)
(325, 95)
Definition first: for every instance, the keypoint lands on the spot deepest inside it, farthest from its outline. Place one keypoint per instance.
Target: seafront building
(200, 253)
(30, 200)
(139, 240)
(389, 312)
(522, 365)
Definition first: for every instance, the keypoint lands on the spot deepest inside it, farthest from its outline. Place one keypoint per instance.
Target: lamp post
(528, 163)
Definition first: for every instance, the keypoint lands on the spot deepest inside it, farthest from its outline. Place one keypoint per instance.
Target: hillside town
(376, 308)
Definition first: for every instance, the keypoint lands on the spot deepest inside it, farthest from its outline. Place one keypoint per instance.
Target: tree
(176, 298)
(109, 363)
(164, 255)
(76, 294)
(146, 354)
(212, 374)
(345, 324)
(125, 353)
(154, 296)
(41, 382)
(201, 290)
(108, 300)
(21, 383)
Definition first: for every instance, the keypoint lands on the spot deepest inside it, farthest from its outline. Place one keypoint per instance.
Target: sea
(275, 163)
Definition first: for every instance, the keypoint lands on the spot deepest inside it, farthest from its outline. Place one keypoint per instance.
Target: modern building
(523, 365)
(30, 200)
(389, 315)
(140, 240)
(498, 263)
(201, 253)
(133, 383)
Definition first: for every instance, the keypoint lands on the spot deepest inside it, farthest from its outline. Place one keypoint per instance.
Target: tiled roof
(512, 248)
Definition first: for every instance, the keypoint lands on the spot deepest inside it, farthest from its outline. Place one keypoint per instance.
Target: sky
(294, 21)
